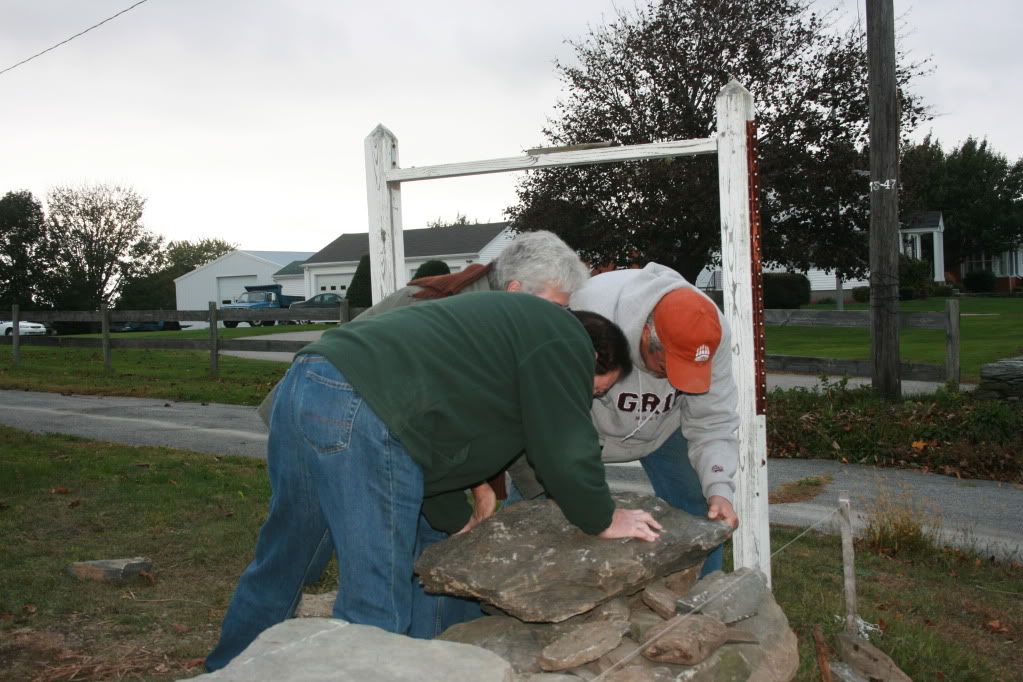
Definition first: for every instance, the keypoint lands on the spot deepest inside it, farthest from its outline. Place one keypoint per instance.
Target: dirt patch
(803, 490)
(51, 656)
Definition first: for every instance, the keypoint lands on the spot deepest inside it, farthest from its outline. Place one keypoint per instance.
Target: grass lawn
(65, 499)
(169, 374)
(990, 328)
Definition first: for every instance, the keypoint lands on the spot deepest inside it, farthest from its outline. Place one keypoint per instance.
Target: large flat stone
(530, 562)
(325, 650)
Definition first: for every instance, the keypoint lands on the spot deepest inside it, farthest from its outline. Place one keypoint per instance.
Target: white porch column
(939, 256)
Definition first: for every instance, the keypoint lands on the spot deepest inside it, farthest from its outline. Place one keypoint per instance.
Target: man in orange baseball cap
(687, 326)
(677, 412)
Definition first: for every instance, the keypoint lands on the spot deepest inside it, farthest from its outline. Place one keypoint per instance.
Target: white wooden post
(386, 244)
(848, 563)
(751, 544)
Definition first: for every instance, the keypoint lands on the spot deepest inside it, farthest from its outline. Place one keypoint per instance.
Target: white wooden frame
(751, 544)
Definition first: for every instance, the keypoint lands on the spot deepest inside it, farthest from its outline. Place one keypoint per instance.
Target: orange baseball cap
(689, 328)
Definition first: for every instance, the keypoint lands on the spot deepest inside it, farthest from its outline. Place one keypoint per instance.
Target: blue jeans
(432, 614)
(336, 474)
(675, 481)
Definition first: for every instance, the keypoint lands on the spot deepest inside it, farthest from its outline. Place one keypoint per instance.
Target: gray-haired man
(537, 263)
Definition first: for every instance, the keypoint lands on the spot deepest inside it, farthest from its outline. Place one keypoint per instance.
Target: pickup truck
(259, 297)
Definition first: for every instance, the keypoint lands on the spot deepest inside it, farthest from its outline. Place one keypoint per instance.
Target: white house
(922, 237)
(332, 268)
(223, 279)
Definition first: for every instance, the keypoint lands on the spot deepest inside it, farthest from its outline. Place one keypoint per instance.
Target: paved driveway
(978, 513)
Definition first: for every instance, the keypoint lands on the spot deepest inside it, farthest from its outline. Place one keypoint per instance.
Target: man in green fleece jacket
(401, 413)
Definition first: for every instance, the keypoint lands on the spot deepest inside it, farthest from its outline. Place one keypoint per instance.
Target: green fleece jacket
(467, 383)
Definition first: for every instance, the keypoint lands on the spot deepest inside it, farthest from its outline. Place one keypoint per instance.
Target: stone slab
(729, 597)
(111, 570)
(326, 650)
(584, 644)
(530, 562)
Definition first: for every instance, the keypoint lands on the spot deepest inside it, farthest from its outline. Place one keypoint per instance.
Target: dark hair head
(608, 340)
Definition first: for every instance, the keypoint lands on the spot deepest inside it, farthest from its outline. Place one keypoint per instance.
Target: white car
(24, 328)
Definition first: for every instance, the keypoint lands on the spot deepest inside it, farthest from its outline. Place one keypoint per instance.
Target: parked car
(325, 300)
(24, 328)
(172, 325)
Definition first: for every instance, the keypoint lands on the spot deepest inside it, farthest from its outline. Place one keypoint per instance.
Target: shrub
(827, 300)
(907, 293)
(861, 294)
(360, 291)
(915, 275)
(431, 268)
(942, 290)
(786, 290)
(979, 281)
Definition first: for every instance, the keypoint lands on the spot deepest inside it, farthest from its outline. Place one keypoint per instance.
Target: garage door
(228, 288)
(335, 283)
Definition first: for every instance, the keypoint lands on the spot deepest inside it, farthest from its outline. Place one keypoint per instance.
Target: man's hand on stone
(484, 505)
(632, 523)
(720, 509)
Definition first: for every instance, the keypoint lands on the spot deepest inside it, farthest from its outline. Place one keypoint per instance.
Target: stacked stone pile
(1002, 380)
(566, 605)
(562, 606)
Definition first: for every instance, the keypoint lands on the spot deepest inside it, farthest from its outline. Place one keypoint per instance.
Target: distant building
(332, 268)
(221, 280)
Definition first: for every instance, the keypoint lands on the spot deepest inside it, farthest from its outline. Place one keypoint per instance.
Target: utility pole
(884, 198)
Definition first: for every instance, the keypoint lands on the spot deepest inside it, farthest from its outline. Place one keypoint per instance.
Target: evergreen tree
(360, 291)
(430, 268)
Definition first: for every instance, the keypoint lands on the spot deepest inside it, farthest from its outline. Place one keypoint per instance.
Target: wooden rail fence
(947, 321)
(212, 316)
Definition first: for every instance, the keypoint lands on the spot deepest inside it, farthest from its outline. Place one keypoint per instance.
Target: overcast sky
(245, 119)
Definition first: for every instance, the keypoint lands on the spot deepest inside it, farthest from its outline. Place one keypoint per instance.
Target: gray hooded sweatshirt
(641, 411)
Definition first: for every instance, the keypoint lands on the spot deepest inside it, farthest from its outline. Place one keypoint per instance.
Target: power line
(68, 40)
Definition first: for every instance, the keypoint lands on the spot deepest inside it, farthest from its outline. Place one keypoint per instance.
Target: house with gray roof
(332, 267)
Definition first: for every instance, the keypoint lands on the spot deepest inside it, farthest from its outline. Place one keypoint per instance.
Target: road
(981, 514)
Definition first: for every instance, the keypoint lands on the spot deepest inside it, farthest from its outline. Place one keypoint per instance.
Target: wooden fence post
(105, 330)
(15, 335)
(952, 342)
(848, 563)
(386, 243)
(214, 340)
(884, 199)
